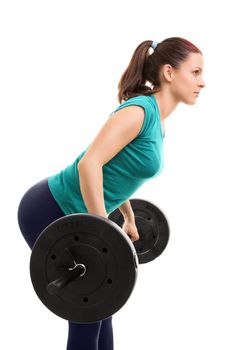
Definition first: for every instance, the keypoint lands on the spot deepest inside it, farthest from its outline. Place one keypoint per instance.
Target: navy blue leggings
(36, 211)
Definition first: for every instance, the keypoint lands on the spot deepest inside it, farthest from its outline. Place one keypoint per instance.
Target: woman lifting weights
(126, 152)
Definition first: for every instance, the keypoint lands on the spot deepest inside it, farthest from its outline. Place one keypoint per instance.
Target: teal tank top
(137, 162)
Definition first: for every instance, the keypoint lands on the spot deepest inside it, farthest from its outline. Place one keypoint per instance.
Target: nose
(202, 84)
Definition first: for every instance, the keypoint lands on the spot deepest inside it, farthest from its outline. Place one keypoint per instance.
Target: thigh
(37, 209)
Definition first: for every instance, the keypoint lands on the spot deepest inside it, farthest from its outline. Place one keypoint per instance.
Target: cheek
(180, 88)
(186, 82)
(183, 89)
(185, 86)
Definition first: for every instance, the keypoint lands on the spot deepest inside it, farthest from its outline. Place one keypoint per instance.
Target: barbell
(84, 267)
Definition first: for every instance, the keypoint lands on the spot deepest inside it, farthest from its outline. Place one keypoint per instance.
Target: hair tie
(154, 44)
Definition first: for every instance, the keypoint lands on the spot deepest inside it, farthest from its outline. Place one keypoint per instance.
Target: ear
(167, 72)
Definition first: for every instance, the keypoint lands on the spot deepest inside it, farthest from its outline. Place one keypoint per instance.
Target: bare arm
(117, 132)
(95, 205)
(91, 185)
(127, 211)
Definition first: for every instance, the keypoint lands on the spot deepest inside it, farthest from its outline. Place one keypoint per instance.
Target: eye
(196, 71)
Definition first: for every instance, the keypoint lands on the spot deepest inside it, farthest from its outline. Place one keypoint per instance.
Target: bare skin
(180, 85)
(177, 85)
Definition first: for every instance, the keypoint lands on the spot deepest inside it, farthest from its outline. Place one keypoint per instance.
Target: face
(186, 81)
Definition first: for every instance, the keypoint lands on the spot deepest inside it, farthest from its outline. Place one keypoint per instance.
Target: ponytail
(132, 82)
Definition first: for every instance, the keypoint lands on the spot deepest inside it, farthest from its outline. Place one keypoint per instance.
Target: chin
(190, 101)
(193, 102)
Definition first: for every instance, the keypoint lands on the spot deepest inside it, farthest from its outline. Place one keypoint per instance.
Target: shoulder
(144, 101)
(141, 100)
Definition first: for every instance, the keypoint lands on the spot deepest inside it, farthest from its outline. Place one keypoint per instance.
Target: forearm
(91, 186)
(127, 210)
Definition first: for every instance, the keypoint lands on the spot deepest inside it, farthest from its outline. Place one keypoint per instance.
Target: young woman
(126, 152)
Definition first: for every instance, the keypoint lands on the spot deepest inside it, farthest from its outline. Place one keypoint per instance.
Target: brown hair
(145, 67)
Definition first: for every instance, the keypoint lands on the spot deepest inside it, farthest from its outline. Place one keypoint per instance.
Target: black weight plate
(109, 257)
(152, 227)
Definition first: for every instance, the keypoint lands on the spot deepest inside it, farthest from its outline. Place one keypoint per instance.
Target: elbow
(87, 162)
(81, 164)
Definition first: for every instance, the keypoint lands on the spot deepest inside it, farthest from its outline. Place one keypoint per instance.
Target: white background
(60, 64)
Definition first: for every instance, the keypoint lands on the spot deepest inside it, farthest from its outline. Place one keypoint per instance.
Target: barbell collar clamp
(78, 270)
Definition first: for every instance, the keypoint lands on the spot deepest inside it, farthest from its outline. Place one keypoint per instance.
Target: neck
(166, 103)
